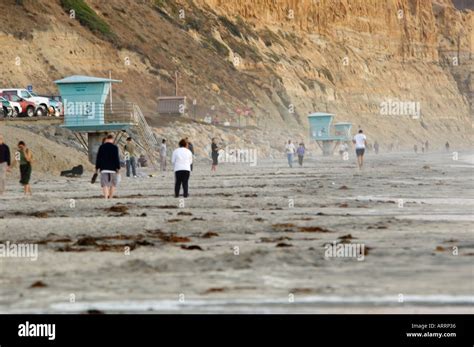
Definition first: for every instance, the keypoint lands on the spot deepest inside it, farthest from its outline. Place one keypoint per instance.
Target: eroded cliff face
(282, 58)
(352, 56)
(400, 27)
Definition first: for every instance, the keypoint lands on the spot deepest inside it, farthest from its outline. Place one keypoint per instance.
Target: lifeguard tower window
(172, 105)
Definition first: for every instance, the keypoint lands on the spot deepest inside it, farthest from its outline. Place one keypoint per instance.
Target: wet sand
(249, 239)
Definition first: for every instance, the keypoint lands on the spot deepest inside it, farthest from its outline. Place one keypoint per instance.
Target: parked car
(55, 108)
(56, 102)
(6, 107)
(42, 102)
(28, 108)
(16, 108)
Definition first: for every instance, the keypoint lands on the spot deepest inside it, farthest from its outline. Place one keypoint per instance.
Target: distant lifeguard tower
(86, 114)
(327, 138)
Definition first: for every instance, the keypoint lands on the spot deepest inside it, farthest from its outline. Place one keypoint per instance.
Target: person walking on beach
(415, 148)
(182, 159)
(108, 164)
(25, 157)
(163, 155)
(5, 163)
(300, 152)
(343, 149)
(191, 148)
(214, 155)
(447, 146)
(360, 141)
(376, 147)
(290, 152)
(130, 157)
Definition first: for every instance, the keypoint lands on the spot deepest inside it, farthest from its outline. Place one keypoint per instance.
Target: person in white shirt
(360, 141)
(163, 155)
(182, 159)
(342, 149)
(290, 152)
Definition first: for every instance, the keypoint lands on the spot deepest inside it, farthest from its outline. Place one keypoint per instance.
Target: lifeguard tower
(321, 131)
(86, 114)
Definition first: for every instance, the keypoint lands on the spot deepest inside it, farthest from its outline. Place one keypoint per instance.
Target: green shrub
(221, 49)
(160, 3)
(269, 37)
(246, 30)
(193, 23)
(245, 51)
(233, 29)
(88, 18)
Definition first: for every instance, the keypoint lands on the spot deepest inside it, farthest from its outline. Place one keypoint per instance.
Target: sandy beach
(250, 239)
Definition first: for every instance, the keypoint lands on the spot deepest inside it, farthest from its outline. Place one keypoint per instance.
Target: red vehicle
(28, 107)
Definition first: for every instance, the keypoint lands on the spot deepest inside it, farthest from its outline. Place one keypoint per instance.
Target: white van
(42, 103)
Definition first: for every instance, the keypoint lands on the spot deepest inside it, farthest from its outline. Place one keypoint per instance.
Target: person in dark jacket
(108, 164)
(214, 155)
(5, 163)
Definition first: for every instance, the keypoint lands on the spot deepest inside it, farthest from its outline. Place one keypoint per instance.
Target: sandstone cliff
(281, 58)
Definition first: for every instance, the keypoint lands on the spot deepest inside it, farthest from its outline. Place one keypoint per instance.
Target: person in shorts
(360, 141)
(25, 157)
(108, 164)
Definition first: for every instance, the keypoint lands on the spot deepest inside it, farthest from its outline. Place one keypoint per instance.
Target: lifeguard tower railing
(148, 141)
(91, 116)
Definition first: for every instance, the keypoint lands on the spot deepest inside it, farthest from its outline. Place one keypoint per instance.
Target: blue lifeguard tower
(327, 138)
(84, 99)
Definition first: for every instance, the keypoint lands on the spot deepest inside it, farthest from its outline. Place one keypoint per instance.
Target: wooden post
(110, 93)
(176, 83)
